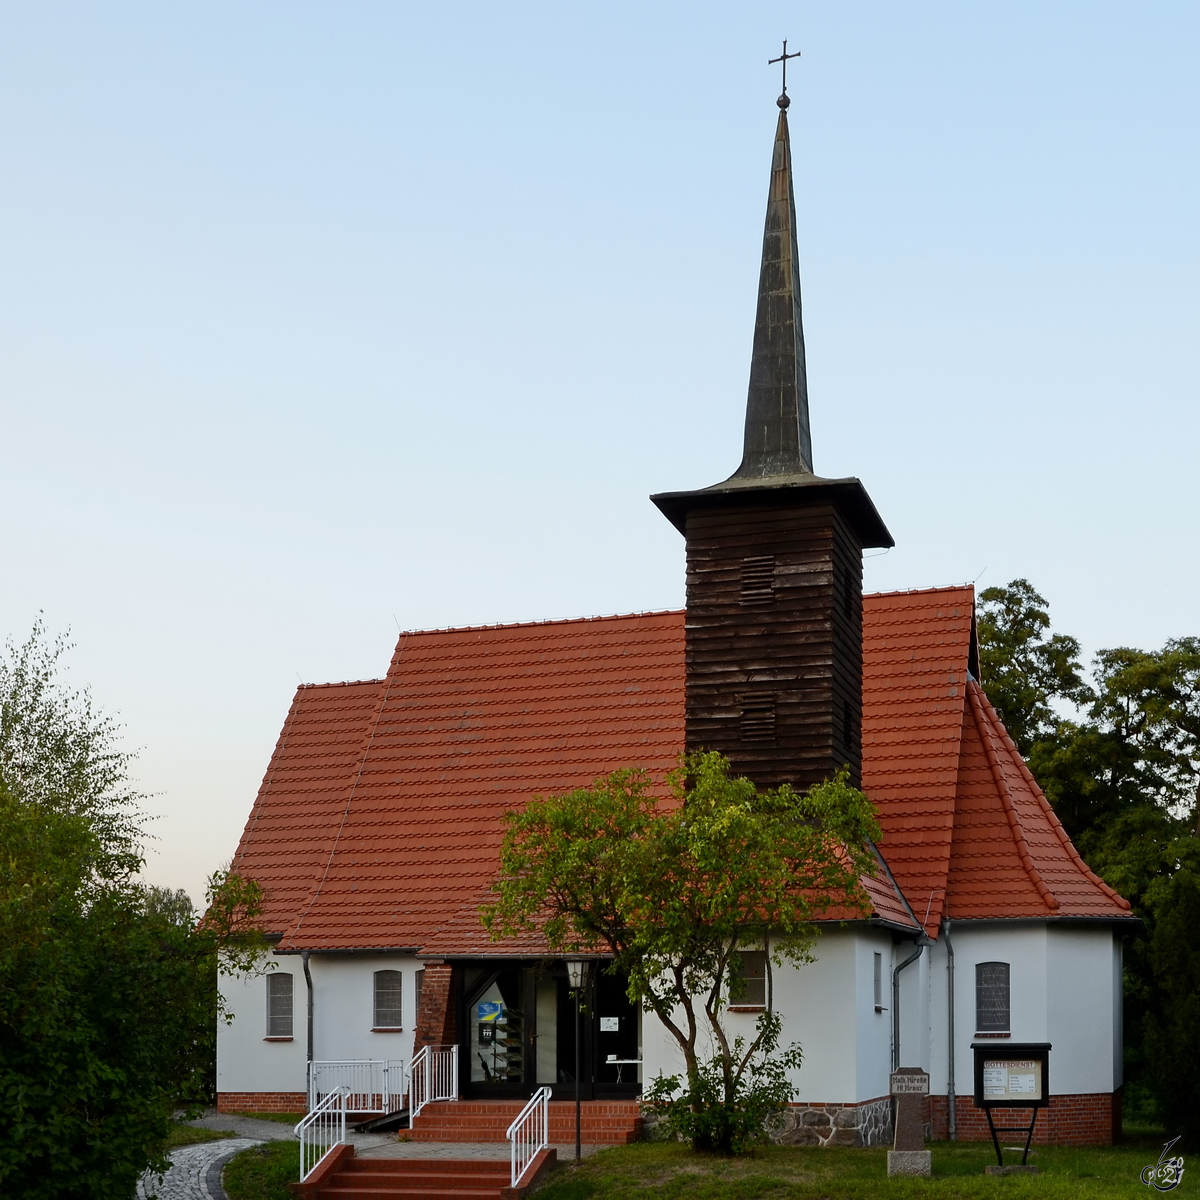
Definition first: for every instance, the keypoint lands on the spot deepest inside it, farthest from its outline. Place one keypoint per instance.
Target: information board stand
(1012, 1076)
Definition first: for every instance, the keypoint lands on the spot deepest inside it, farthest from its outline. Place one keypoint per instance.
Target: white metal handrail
(434, 1077)
(529, 1133)
(373, 1085)
(322, 1130)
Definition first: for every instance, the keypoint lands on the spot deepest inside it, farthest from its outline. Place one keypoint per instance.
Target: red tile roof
(380, 817)
(471, 723)
(291, 828)
(967, 831)
(915, 651)
(1008, 843)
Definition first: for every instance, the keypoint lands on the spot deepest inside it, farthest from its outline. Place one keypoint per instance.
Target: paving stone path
(191, 1166)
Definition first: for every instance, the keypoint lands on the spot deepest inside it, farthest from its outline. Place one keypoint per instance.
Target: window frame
(378, 1026)
(992, 1026)
(746, 1002)
(275, 1017)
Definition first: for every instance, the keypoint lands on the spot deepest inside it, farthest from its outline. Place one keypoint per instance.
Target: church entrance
(517, 1026)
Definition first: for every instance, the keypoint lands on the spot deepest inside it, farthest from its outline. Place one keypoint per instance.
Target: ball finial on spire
(783, 101)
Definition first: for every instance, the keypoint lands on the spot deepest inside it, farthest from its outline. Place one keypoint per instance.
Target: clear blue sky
(320, 318)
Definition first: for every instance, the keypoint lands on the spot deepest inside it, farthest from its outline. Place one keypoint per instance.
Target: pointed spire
(777, 435)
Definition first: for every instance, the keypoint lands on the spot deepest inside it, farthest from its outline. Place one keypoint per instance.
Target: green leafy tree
(1135, 745)
(59, 752)
(675, 891)
(1119, 759)
(108, 996)
(1025, 667)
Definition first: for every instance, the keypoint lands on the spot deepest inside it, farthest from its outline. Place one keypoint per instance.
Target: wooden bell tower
(774, 559)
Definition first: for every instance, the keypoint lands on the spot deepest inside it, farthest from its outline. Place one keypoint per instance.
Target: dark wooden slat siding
(803, 647)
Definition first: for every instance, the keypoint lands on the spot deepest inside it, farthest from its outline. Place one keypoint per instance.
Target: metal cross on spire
(783, 58)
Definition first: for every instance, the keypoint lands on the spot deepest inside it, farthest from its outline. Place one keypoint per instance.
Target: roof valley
(363, 755)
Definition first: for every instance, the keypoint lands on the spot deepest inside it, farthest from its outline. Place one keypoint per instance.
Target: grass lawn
(282, 1118)
(667, 1171)
(189, 1135)
(263, 1172)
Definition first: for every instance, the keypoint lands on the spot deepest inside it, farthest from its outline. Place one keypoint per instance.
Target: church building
(377, 828)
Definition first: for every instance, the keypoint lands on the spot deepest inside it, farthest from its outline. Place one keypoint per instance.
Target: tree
(1120, 761)
(1136, 744)
(1025, 668)
(674, 892)
(59, 752)
(108, 994)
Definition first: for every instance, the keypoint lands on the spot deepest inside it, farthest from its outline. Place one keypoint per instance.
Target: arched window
(389, 991)
(991, 997)
(279, 1005)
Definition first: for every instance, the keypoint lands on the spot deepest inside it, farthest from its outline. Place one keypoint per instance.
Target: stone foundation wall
(866, 1124)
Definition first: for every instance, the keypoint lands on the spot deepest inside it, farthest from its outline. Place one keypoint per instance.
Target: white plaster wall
(1023, 947)
(1118, 1007)
(914, 1006)
(343, 1009)
(873, 1053)
(1082, 1015)
(1065, 990)
(247, 1063)
(828, 1007)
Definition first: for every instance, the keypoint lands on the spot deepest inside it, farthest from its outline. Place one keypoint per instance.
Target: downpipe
(922, 942)
(950, 1097)
(308, 983)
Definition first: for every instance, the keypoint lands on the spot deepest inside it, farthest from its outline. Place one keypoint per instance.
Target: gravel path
(191, 1168)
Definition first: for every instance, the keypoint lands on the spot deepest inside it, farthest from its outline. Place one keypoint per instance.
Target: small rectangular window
(758, 580)
(279, 1005)
(878, 983)
(748, 980)
(389, 990)
(992, 997)
(758, 719)
(419, 982)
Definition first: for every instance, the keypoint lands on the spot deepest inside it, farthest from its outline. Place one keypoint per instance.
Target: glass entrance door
(518, 1033)
(499, 1030)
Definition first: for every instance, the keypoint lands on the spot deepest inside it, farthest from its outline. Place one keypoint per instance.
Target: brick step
(603, 1122)
(403, 1192)
(562, 1137)
(556, 1122)
(513, 1107)
(428, 1166)
(418, 1179)
(507, 1119)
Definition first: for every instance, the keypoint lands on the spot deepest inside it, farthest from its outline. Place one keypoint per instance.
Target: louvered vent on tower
(758, 580)
(758, 718)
